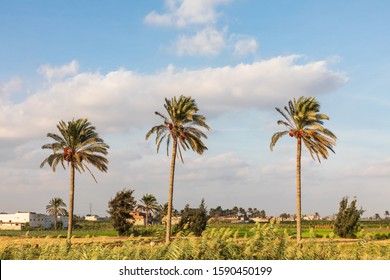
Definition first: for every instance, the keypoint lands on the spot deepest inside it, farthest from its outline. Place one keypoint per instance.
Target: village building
(175, 220)
(92, 218)
(139, 218)
(260, 220)
(20, 220)
(311, 217)
(291, 218)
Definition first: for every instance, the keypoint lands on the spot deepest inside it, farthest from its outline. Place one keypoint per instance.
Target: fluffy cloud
(183, 13)
(208, 41)
(59, 73)
(11, 86)
(122, 99)
(371, 170)
(199, 18)
(245, 45)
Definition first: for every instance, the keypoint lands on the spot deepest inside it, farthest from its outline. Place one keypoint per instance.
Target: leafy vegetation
(346, 224)
(148, 204)
(267, 241)
(56, 207)
(120, 208)
(194, 220)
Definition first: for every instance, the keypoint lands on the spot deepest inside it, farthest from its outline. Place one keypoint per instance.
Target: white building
(311, 217)
(19, 220)
(92, 218)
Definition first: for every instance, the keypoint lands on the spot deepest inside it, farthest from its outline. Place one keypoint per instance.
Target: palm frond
(276, 137)
(287, 118)
(183, 120)
(78, 144)
(306, 123)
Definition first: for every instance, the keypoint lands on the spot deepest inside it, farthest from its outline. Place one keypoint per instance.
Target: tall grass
(270, 242)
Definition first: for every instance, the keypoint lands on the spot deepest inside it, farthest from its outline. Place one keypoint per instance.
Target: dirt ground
(20, 240)
(12, 240)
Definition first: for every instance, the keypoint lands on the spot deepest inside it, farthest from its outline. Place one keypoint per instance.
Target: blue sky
(114, 62)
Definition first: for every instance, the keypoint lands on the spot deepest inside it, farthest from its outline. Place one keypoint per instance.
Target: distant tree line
(239, 211)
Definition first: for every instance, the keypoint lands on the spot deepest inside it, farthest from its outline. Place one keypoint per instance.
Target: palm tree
(181, 126)
(148, 204)
(56, 208)
(305, 123)
(77, 145)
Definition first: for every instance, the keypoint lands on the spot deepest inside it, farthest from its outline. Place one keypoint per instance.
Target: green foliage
(120, 208)
(346, 224)
(78, 145)
(303, 121)
(148, 204)
(194, 220)
(56, 207)
(182, 125)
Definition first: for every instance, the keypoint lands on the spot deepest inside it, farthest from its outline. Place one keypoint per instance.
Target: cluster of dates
(299, 133)
(68, 154)
(182, 133)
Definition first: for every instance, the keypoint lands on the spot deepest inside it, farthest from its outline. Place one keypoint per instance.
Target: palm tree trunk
(147, 217)
(71, 203)
(55, 218)
(298, 183)
(170, 192)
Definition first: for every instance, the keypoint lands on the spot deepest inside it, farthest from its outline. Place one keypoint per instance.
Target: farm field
(218, 242)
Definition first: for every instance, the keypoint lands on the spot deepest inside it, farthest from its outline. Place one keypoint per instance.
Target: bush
(120, 209)
(381, 236)
(194, 220)
(346, 224)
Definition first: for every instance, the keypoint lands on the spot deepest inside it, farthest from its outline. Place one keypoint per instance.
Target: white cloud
(182, 13)
(371, 169)
(208, 41)
(245, 45)
(221, 168)
(59, 73)
(201, 37)
(157, 19)
(120, 100)
(13, 85)
(8, 90)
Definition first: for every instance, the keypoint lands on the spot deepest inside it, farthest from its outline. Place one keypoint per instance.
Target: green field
(310, 229)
